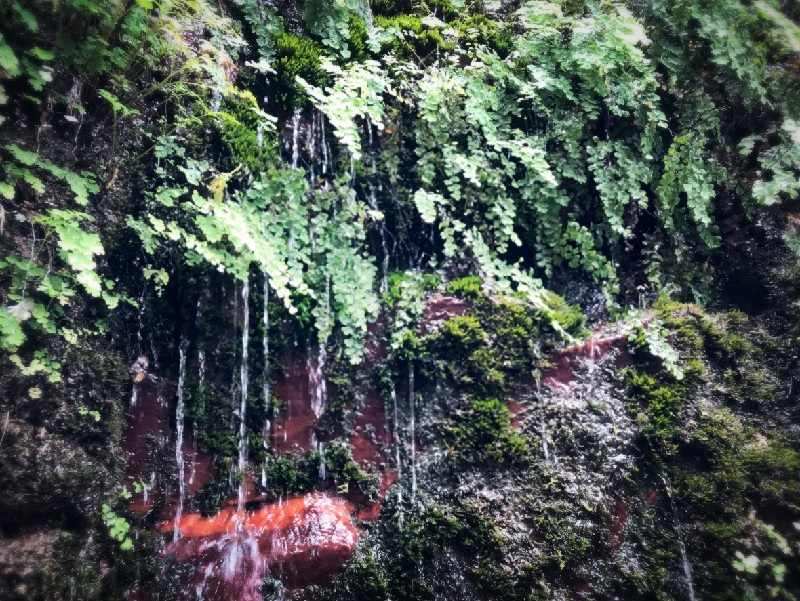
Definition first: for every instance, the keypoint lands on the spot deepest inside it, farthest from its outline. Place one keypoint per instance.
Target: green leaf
(41, 53)
(24, 157)
(9, 63)
(27, 17)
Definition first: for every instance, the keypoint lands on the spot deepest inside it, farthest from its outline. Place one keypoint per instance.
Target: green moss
(773, 470)
(211, 413)
(660, 405)
(239, 129)
(459, 334)
(569, 317)
(357, 39)
(409, 565)
(468, 287)
(414, 40)
(573, 8)
(483, 434)
(295, 56)
(391, 8)
(344, 471)
(479, 29)
(289, 474)
(397, 281)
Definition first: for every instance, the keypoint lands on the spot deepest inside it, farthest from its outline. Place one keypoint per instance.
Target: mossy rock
(239, 127)
(295, 56)
(415, 40)
(483, 434)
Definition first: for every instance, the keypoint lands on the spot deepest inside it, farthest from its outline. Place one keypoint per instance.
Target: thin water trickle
(325, 150)
(373, 203)
(201, 370)
(322, 468)
(397, 443)
(265, 345)
(687, 566)
(295, 138)
(216, 98)
(179, 437)
(244, 385)
(411, 403)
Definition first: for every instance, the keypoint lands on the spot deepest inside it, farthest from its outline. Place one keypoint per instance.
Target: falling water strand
(179, 438)
(316, 380)
(366, 14)
(411, 403)
(312, 151)
(324, 145)
(234, 387)
(545, 447)
(373, 203)
(265, 343)
(216, 98)
(244, 383)
(322, 467)
(295, 138)
(397, 459)
(316, 374)
(201, 370)
(687, 567)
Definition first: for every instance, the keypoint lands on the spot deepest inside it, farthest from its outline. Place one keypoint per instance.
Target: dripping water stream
(179, 438)
(687, 566)
(244, 385)
(411, 403)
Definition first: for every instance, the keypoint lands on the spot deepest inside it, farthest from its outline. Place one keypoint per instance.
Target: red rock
(303, 540)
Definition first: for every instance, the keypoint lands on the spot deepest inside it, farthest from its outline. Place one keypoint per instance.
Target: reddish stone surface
(294, 427)
(147, 437)
(303, 540)
(516, 409)
(651, 496)
(439, 309)
(560, 372)
(616, 535)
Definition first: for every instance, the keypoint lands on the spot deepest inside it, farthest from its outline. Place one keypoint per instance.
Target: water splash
(179, 437)
(244, 385)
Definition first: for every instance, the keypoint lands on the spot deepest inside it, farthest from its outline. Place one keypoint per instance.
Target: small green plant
(90, 412)
(118, 527)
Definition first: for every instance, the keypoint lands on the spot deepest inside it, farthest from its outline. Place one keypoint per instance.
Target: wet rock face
(56, 452)
(25, 562)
